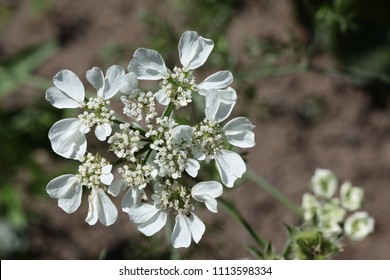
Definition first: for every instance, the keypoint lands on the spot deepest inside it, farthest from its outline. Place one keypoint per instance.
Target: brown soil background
(352, 138)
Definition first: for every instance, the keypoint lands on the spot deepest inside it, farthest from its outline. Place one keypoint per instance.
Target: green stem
(168, 110)
(133, 126)
(274, 192)
(234, 213)
(145, 160)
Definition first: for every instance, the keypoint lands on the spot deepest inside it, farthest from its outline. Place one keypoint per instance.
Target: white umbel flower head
(359, 225)
(324, 183)
(351, 197)
(209, 137)
(67, 136)
(179, 85)
(173, 197)
(95, 174)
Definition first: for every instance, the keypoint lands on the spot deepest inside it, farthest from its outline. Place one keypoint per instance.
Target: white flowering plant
(150, 155)
(154, 158)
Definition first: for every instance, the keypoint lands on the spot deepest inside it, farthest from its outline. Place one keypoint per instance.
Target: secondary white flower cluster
(152, 154)
(336, 216)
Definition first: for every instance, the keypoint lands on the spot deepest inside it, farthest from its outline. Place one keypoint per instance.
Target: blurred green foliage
(23, 132)
(355, 31)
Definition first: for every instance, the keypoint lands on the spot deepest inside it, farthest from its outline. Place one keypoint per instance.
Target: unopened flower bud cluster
(336, 216)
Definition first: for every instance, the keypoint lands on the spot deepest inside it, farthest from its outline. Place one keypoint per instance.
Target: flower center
(137, 177)
(91, 170)
(96, 112)
(175, 197)
(208, 137)
(179, 86)
(125, 143)
(144, 103)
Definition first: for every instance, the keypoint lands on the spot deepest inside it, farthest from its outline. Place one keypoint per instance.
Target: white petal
(154, 224)
(198, 154)
(196, 227)
(211, 188)
(162, 97)
(207, 192)
(113, 81)
(102, 131)
(211, 203)
(106, 179)
(102, 206)
(194, 50)
(68, 190)
(67, 140)
(132, 199)
(182, 133)
(60, 99)
(181, 234)
(147, 64)
(238, 132)
(219, 80)
(92, 215)
(70, 84)
(192, 166)
(142, 213)
(230, 166)
(107, 168)
(115, 187)
(129, 83)
(219, 104)
(96, 78)
(84, 128)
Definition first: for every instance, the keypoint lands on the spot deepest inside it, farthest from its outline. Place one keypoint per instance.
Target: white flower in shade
(324, 183)
(179, 85)
(209, 136)
(95, 174)
(173, 197)
(351, 197)
(359, 225)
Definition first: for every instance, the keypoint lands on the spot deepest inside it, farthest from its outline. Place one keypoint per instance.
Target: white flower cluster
(152, 161)
(336, 216)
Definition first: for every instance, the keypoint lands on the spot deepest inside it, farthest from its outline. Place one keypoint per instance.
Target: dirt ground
(351, 137)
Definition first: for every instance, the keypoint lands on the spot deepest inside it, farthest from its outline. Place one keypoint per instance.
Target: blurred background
(313, 76)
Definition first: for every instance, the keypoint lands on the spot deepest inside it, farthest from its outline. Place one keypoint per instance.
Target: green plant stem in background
(231, 209)
(274, 192)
